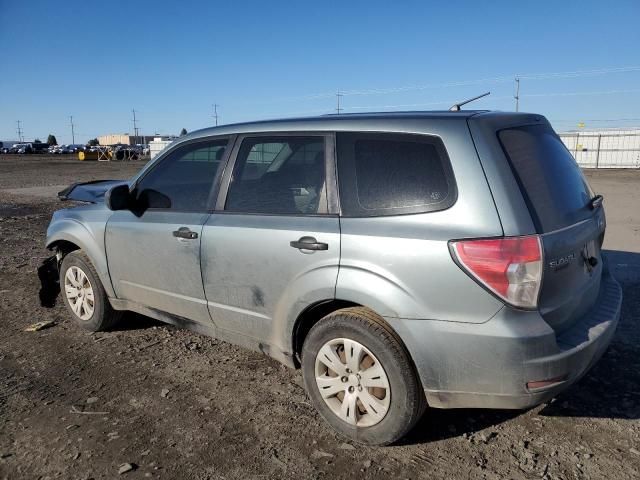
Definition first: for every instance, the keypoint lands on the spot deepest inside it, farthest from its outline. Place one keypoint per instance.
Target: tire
(102, 316)
(398, 398)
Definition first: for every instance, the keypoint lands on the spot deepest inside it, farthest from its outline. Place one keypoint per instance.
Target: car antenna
(456, 107)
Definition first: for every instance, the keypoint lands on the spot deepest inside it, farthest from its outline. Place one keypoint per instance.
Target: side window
(183, 179)
(278, 175)
(391, 174)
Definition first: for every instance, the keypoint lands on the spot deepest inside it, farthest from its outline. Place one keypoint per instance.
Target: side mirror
(118, 198)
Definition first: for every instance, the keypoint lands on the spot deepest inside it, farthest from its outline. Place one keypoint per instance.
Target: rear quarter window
(551, 181)
(391, 174)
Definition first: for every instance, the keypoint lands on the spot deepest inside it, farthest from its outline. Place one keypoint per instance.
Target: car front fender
(75, 232)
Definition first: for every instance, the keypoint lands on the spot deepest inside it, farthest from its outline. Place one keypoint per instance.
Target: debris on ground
(346, 446)
(317, 454)
(126, 467)
(36, 327)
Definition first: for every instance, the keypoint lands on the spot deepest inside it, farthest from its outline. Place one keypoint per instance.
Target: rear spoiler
(91, 192)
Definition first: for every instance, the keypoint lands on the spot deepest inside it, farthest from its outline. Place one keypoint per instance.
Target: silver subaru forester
(401, 260)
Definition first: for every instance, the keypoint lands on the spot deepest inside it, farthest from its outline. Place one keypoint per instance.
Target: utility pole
(20, 132)
(73, 133)
(135, 127)
(338, 96)
(215, 113)
(517, 95)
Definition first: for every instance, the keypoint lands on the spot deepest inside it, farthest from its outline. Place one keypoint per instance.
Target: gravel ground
(150, 400)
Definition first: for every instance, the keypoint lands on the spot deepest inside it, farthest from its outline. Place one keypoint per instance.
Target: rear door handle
(185, 232)
(309, 243)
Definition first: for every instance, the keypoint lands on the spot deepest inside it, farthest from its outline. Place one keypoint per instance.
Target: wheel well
(64, 246)
(309, 317)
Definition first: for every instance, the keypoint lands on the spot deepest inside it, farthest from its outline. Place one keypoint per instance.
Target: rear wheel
(84, 294)
(360, 378)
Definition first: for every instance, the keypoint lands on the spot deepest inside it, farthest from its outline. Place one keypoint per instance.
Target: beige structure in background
(124, 139)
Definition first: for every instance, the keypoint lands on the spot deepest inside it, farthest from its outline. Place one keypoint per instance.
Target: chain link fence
(604, 149)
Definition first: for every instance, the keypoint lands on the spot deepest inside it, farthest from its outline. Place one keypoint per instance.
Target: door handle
(184, 232)
(309, 243)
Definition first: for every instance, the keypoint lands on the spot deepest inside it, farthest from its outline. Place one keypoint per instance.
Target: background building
(125, 139)
(158, 144)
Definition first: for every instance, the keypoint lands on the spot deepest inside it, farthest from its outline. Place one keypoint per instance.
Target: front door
(272, 247)
(153, 250)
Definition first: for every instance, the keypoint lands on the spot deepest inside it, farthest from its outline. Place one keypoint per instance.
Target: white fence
(604, 149)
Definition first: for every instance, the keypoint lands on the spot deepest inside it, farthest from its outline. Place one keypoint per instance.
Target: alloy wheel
(352, 382)
(79, 292)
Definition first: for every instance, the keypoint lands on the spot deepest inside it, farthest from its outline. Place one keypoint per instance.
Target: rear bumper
(488, 365)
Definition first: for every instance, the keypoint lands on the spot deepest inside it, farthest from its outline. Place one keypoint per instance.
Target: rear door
(272, 247)
(563, 211)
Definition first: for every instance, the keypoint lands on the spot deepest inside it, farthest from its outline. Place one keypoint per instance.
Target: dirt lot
(177, 405)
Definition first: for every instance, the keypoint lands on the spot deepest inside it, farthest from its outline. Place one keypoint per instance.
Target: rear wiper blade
(596, 202)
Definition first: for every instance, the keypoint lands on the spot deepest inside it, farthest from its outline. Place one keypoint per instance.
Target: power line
(452, 101)
(462, 83)
(572, 94)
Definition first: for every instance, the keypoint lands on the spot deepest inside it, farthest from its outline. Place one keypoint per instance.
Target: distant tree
(183, 132)
(93, 142)
(51, 140)
(37, 140)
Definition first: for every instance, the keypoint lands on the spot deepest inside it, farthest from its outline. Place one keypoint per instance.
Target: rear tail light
(510, 267)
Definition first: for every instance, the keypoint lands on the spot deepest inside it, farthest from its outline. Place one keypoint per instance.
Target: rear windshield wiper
(596, 202)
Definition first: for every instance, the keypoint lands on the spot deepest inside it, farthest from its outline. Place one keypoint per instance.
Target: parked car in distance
(64, 149)
(24, 148)
(75, 148)
(401, 260)
(39, 147)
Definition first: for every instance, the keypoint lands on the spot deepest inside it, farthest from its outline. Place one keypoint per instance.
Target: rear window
(390, 174)
(551, 181)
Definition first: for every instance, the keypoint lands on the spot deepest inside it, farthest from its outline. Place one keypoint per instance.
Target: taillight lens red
(511, 267)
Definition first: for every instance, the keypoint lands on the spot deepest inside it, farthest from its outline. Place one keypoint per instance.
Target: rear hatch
(564, 211)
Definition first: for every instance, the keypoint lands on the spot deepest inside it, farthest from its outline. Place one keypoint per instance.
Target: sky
(171, 61)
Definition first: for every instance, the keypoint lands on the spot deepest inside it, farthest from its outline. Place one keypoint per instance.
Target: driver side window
(183, 180)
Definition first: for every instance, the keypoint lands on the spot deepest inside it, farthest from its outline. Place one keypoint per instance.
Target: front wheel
(84, 294)
(360, 377)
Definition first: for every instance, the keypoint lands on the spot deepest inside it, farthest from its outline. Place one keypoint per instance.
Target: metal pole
(598, 150)
(215, 112)
(135, 127)
(338, 95)
(73, 134)
(20, 135)
(517, 95)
